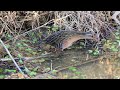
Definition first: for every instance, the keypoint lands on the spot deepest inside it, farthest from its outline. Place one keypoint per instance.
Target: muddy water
(100, 69)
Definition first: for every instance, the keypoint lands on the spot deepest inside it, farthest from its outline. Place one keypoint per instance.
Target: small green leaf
(118, 41)
(35, 69)
(55, 28)
(26, 69)
(96, 53)
(8, 46)
(19, 56)
(24, 44)
(48, 27)
(8, 70)
(19, 44)
(82, 43)
(90, 51)
(117, 33)
(28, 49)
(21, 62)
(7, 56)
(108, 41)
(34, 53)
(49, 77)
(1, 70)
(32, 73)
(114, 49)
(77, 72)
(2, 76)
(32, 34)
(117, 37)
(34, 40)
(41, 60)
(9, 36)
(72, 68)
(54, 71)
(115, 42)
(46, 69)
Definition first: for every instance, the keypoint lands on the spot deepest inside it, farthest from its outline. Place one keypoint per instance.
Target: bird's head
(89, 35)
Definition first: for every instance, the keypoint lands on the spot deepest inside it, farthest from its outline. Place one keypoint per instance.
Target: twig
(48, 55)
(28, 58)
(11, 57)
(43, 25)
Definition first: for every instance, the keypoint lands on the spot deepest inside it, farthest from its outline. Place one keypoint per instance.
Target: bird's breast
(69, 41)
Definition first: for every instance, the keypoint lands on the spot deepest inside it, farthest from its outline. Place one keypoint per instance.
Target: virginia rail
(63, 39)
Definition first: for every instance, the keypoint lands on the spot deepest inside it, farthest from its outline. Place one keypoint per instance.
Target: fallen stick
(27, 58)
(49, 55)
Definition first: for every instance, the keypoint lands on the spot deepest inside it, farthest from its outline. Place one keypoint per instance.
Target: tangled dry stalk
(15, 23)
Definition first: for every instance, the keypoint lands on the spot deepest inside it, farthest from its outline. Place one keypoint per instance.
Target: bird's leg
(57, 52)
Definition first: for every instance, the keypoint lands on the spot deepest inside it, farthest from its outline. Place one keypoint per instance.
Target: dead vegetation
(22, 31)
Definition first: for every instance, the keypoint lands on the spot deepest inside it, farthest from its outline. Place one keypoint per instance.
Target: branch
(11, 56)
(27, 58)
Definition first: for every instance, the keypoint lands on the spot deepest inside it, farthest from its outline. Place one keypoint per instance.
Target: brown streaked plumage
(63, 39)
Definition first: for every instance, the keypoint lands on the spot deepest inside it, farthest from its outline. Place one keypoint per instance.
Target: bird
(62, 39)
